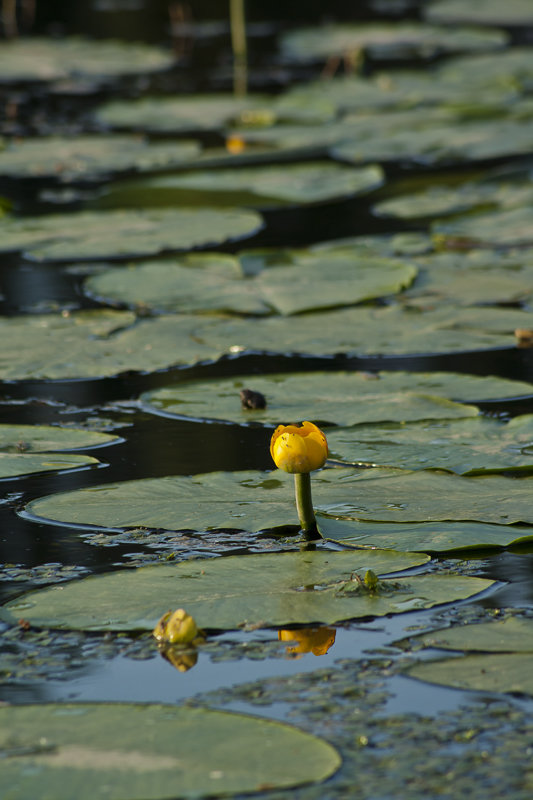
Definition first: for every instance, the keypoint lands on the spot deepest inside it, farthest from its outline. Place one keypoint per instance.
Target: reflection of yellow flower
(176, 627)
(308, 640)
(183, 660)
(299, 448)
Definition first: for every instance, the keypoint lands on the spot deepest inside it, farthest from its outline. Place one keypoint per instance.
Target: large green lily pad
(36, 59)
(464, 446)
(339, 398)
(27, 449)
(256, 501)
(381, 330)
(427, 537)
(495, 672)
(329, 278)
(396, 40)
(179, 114)
(123, 234)
(225, 593)
(509, 227)
(508, 70)
(509, 635)
(484, 12)
(83, 157)
(151, 752)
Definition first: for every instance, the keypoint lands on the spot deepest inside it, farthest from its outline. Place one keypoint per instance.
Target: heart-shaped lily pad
(206, 282)
(260, 590)
(151, 752)
(464, 446)
(339, 398)
(257, 187)
(124, 234)
(27, 449)
(70, 159)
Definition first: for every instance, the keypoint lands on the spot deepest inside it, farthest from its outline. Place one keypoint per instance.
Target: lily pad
(382, 330)
(509, 227)
(463, 446)
(180, 114)
(339, 398)
(13, 465)
(329, 278)
(260, 590)
(36, 59)
(483, 12)
(123, 234)
(257, 187)
(90, 157)
(495, 672)
(397, 40)
(151, 752)
(46, 438)
(509, 635)
(427, 537)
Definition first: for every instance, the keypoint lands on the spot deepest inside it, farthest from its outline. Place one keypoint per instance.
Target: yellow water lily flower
(299, 448)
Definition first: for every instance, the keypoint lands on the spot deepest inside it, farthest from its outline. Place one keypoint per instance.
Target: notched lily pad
(463, 446)
(339, 398)
(151, 752)
(256, 187)
(124, 234)
(260, 590)
(90, 157)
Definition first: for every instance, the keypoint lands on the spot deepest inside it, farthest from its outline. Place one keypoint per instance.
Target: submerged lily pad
(69, 159)
(36, 59)
(179, 114)
(509, 227)
(329, 278)
(151, 752)
(396, 40)
(464, 446)
(123, 234)
(339, 398)
(427, 537)
(494, 672)
(258, 187)
(260, 590)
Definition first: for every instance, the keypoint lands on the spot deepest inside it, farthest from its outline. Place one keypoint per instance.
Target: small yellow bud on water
(176, 627)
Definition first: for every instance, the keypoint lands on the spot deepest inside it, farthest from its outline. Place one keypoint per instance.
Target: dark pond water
(87, 667)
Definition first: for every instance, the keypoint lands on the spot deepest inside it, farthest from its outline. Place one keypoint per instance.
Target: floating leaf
(257, 187)
(51, 59)
(396, 40)
(261, 590)
(484, 12)
(427, 537)
(151, 752)
(43, 438)
(513, 227)
(13, 465)
(464, 446)
(83, 157)
(123, 234)
(179, 114)
(501, 672)
(340, 398)
(509, 635)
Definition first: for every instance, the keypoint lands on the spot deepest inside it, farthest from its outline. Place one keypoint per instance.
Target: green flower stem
(304, 505)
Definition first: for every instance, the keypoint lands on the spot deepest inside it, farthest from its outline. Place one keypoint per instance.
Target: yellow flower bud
(176, 627)
(299, 448)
